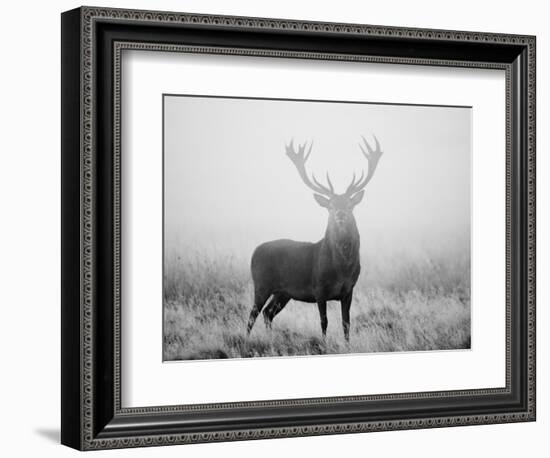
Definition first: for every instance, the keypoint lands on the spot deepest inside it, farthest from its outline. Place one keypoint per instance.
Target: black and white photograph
(314, 227)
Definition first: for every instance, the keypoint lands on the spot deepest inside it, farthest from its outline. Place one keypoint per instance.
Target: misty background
(229, 185)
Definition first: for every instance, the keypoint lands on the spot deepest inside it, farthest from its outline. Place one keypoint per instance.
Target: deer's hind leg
(275, 305)
(260, 298)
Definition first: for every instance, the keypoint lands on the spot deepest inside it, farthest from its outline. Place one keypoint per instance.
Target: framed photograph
(276, 228)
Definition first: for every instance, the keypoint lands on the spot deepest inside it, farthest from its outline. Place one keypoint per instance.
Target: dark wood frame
(92, 42)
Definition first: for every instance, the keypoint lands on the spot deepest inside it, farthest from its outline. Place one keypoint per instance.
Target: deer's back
(285, 266)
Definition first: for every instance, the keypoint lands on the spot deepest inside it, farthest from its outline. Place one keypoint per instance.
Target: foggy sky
(230, 186)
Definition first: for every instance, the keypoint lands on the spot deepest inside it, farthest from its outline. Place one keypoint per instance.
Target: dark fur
(310, 272)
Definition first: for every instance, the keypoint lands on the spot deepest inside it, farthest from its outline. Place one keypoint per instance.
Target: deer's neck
(342, 242)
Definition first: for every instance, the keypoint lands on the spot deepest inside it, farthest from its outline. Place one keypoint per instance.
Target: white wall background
(30, 245)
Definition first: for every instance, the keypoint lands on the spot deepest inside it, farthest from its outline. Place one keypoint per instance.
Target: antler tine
(361, 147)
(371, 152)
(372, 155)
(327, 191)
(308, 152)
(377, 144)
(330, 183)
(331, 188)
(299, 160)
(353, 183)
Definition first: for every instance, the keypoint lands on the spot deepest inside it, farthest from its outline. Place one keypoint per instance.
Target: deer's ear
(322, 201)
(357, 197)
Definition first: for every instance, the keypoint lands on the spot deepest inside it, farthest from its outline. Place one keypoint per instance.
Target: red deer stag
(314, 272)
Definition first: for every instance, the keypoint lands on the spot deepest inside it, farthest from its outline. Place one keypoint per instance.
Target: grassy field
(401, 303)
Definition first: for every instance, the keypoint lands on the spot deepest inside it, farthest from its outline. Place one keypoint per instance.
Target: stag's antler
(372, 155)
(299, 160)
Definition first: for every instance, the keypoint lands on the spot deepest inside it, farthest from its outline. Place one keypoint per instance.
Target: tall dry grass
(401, 303)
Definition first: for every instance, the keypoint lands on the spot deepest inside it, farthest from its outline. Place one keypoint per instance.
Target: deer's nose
(340, 215)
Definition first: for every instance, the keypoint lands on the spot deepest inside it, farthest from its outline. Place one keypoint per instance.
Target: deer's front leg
(323, 315)
(346, 305)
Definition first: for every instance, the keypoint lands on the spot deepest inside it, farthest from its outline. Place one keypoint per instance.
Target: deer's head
(339, 206)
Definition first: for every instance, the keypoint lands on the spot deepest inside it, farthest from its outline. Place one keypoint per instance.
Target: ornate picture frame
(93, 416)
